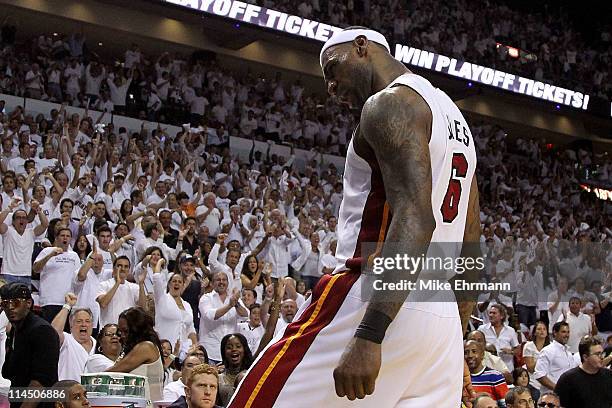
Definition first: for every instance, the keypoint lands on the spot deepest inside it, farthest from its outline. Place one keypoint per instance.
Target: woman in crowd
(150, 258)
(236, 357)
(108, 349)
(252, 275)
(522, 379)
(82, 247)
(142, 353)
(169, 359)
(531, 349)
(173, 315)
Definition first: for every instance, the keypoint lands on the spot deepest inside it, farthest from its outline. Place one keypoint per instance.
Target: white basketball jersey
(364, 214)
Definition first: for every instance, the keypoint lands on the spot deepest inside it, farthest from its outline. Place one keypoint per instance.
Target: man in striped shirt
(484, 379)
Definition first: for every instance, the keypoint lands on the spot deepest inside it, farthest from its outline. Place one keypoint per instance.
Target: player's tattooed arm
(396, 123)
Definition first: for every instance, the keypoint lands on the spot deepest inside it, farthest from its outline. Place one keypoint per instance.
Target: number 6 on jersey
(450, 204)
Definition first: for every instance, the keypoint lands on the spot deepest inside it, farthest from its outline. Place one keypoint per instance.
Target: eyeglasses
(526, 402)
(12, 303)
(118, 333)
(547, 405)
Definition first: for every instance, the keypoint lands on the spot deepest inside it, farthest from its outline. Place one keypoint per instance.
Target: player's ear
(361, 42)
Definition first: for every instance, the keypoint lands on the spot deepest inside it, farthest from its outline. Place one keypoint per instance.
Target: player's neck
(383, 76)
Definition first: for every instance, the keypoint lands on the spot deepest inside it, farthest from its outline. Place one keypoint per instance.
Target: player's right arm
(396, 123)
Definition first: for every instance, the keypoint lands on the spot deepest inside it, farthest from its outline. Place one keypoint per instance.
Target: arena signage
(489, 76)
(303, 27)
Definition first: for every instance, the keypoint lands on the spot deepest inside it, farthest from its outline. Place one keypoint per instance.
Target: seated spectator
(589, 384)
(237, 358)
(483, 378)
(108, 350)
(491, 360)
(532, 349)
(519, 397)
(520, 377)
(202, 387)
(549, 400)
(176, 389)
(484, 401)
(75, 394)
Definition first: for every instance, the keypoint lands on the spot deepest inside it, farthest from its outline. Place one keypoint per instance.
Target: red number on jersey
(450, 204)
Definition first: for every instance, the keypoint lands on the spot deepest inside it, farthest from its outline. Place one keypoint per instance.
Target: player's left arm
(466, 300)
(396, 123)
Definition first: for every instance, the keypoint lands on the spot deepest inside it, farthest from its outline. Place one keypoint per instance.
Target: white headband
(345, 36)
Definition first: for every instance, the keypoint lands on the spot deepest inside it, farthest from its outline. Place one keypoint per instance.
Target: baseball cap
(187, 258)
(15, 290)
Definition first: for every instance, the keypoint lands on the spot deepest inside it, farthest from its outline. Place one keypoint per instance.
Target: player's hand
(468, 393)
(356, 373)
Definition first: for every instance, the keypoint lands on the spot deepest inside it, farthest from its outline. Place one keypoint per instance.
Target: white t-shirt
(125, 297)
(87, 290)
(212, 221)
(72, 358)
(17, 252)
(56, 276)
(253, 335)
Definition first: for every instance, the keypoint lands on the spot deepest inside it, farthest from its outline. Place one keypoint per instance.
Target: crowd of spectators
(172, 88)
(552, 49)
(167, 247)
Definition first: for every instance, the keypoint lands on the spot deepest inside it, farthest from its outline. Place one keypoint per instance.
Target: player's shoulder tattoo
(395, 119)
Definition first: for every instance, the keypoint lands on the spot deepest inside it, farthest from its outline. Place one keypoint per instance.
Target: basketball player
(409, 181)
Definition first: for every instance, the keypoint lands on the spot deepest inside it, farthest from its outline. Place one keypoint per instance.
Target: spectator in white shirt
(554, 359)
(116, 295)
(502, 336)
(529, 283)
(532, 349)
(173, 315)
(18, 241)
(252, 329)
(34, 82)
(76, 346)
(56, 266)
(580, 324)
(208, 215)
(176, 389)
(86, 283)
(108, 350)
(219, 313)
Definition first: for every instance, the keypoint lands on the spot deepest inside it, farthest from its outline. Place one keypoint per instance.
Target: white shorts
(422, 355)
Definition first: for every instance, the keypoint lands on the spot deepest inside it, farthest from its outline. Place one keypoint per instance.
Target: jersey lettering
(458, 132)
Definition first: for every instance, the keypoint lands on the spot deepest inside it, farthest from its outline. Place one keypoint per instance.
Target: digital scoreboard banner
(314, 30)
